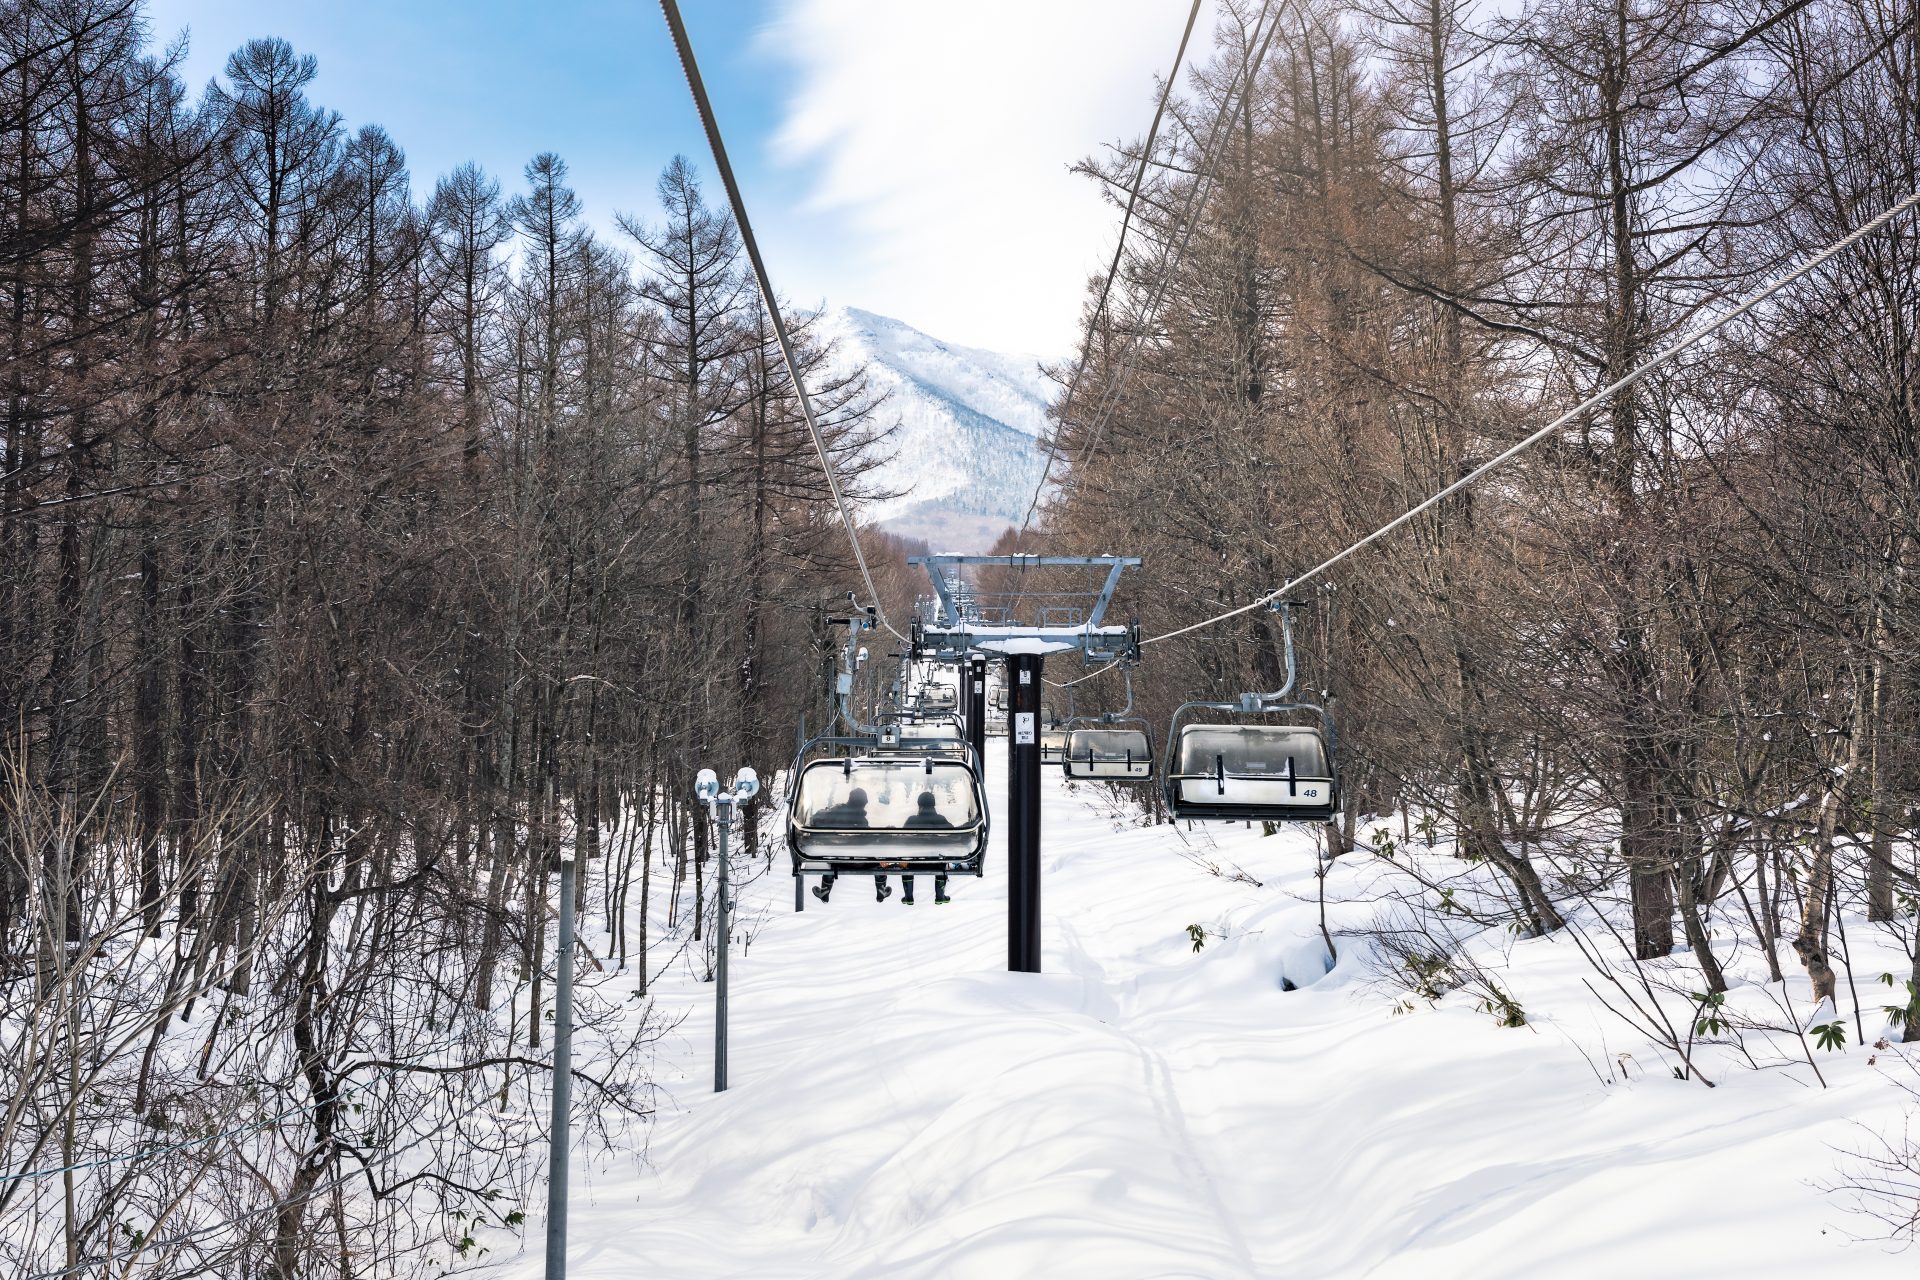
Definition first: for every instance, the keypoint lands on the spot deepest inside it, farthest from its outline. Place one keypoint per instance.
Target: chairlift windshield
(1109, 755)
(943, 738)
(944, 729)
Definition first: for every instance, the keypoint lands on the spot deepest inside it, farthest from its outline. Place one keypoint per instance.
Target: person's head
(927, 802)
(857, 797)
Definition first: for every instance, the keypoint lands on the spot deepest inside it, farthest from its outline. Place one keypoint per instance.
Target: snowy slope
(903, 1107)
(963, 454)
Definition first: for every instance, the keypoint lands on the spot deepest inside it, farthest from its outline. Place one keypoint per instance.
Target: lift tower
(971, 626)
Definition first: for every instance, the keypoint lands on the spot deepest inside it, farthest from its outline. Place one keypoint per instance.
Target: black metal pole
(973, 683)
(800, 746)
(723, 820)
(1023, 813)
(560, 1133)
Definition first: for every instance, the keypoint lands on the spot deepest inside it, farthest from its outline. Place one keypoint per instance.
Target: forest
(362, 550)
(1666, 658)
(358, 551)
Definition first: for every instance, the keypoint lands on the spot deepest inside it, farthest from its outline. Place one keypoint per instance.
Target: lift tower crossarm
(943, 583)
(959, 626)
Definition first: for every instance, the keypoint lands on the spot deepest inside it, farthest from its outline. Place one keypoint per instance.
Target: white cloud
(935, 140)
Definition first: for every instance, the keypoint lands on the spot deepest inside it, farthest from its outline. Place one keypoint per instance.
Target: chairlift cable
(1480, 472)
(1189, 215)
(684, 47)
(1119, 248)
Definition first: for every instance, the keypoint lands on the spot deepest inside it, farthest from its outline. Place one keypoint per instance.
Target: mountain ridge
(964, 453)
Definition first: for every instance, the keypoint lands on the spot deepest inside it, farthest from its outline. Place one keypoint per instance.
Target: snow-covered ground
(903, 1107)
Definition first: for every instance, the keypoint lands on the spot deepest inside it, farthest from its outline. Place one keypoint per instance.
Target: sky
(908, 157)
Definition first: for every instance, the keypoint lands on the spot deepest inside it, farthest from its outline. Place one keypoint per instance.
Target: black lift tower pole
(973, 679)
(1023, 812)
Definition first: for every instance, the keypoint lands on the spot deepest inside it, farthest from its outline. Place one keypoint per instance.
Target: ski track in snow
(903, 1107)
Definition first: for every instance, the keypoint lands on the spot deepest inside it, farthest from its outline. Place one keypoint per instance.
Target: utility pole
(560, 1129)
(1023, 812)
(746, 785)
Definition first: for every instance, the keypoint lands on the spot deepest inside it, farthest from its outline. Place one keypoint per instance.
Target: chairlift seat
(829, 829)
(1269, 773)
(1109, 755)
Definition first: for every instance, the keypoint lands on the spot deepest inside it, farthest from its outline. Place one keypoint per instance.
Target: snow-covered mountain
(964, 454)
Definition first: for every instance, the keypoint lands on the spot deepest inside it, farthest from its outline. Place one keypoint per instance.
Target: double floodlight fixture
(746, 785)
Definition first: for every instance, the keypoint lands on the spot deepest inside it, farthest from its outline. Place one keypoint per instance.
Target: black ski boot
(940, 897)
(906, 884)
(824, 889)
(881, 889)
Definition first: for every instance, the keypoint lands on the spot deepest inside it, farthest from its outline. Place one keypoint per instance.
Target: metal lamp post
(746, 785)
(561, 1129)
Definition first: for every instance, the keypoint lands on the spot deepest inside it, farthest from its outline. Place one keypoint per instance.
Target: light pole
(746, 785)
(561, 1135)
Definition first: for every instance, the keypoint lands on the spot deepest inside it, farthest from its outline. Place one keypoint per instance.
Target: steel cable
(1507, 455)
(719, 148)
(1113, 269)
(1190, 216)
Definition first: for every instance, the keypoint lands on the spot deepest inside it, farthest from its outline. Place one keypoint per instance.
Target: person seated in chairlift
(927, 816)
(928, 813)
(849, 814)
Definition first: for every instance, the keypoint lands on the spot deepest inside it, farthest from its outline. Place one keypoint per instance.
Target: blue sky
(903, 156)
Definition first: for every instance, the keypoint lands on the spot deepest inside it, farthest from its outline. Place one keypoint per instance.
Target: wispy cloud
(937, 138)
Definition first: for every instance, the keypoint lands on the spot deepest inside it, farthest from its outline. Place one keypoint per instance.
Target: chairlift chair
(1108, 754)
(997, 711)
(942, 737)
(1111, 747)
(1247, 770)
(1264, 772)
(1053, 745)
(931, 729)
(866, 812)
